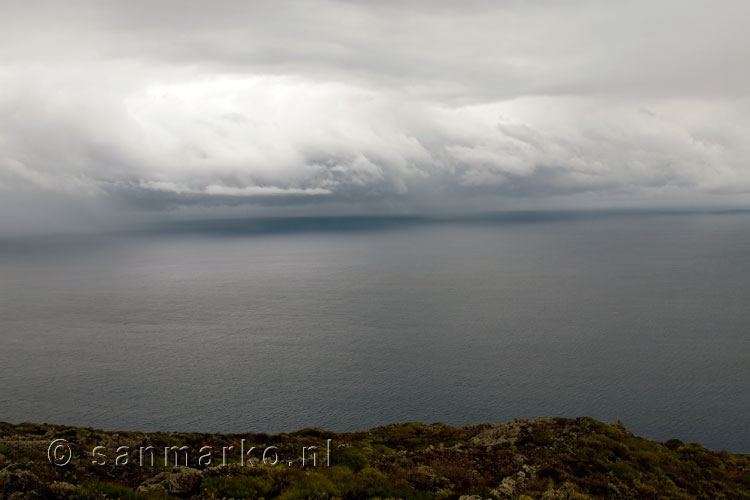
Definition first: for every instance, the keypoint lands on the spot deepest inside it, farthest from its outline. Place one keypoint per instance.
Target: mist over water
(350, 324)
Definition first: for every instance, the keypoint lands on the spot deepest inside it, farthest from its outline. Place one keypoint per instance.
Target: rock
(181, 481)
(506, 488)
(498, 434)
(469, 497)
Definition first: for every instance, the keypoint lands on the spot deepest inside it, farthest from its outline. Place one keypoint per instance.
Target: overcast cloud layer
(119, 111)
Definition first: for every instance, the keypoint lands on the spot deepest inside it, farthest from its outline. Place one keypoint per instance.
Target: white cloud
(483, 105)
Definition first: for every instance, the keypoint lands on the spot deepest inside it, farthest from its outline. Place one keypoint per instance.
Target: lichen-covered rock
(181, 481)
(506, 488)
(498, 434)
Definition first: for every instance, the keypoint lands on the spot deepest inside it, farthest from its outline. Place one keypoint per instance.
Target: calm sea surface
(351, 324)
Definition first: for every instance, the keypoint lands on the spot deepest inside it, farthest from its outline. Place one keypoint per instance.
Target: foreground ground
(545, 458)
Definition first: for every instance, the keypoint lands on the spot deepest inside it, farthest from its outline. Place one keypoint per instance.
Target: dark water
(642, 318)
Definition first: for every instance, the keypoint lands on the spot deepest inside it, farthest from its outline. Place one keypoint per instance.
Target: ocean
(350, 323)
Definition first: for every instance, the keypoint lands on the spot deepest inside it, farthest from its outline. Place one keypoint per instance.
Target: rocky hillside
(545, 458)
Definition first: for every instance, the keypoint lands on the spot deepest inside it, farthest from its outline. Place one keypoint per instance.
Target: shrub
(350, 457)
(673, 444)
(237, 487)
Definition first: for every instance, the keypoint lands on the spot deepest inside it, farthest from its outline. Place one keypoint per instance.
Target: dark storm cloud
(361, 107)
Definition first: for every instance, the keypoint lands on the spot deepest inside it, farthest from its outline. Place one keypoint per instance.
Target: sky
(114, 113)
